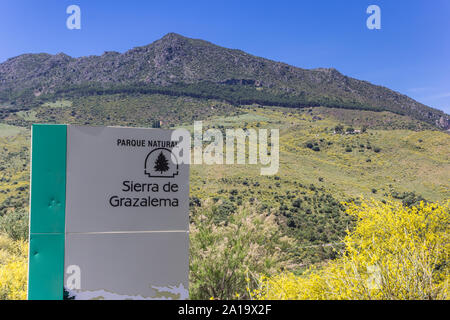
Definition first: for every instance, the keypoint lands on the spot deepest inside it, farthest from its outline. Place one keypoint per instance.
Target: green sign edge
(47, 212)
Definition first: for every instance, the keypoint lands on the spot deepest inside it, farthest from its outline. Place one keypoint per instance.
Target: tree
(161, 163)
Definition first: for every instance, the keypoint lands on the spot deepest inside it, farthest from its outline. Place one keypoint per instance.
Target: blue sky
(410, 54)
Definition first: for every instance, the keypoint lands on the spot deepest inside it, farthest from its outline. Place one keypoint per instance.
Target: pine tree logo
(161, 163)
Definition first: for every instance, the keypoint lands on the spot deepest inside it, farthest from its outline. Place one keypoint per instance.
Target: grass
(9, 131)
(58, 104)
(403, 163)
(27, 115)
(122, 110)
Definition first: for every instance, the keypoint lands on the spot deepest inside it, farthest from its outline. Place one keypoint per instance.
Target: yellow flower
(394, 252)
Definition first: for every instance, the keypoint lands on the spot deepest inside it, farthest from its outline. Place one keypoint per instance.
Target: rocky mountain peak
(176, 59)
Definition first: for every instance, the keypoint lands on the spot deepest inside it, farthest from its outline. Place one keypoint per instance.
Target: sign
(108, 215)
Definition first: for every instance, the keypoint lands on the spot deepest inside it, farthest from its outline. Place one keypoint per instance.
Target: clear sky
(410, 54)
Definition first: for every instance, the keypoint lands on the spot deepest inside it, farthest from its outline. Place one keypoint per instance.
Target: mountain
(177, 65)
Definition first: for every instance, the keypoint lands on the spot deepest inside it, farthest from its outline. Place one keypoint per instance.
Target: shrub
(350, 130)
(339, 129)
(15, 224)
(194, 201)
(408, 198)
(224, 257)
(223, 210)
(395, 252)
(297, 203)
(13, 269)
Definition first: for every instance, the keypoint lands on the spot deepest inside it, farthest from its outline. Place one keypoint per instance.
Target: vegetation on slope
(225, 253)
(394, 253)
(13, 268)
(322, 163)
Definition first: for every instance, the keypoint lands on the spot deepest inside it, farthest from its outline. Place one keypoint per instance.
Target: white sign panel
(126, 218)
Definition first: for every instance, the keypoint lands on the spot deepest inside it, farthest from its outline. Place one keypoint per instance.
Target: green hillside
(318, 167)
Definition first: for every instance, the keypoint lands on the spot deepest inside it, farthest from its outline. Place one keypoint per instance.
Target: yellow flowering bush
(13, 269)
(394, 252)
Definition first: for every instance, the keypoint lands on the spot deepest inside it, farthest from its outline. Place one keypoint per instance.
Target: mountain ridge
(176, 59)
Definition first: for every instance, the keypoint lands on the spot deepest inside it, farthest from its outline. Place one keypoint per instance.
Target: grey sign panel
(127, 221)
(128, 265)
(124, 179)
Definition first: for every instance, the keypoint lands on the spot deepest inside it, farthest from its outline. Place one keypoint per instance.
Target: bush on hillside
(224, 257)
(15, 224)
(13, 269)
